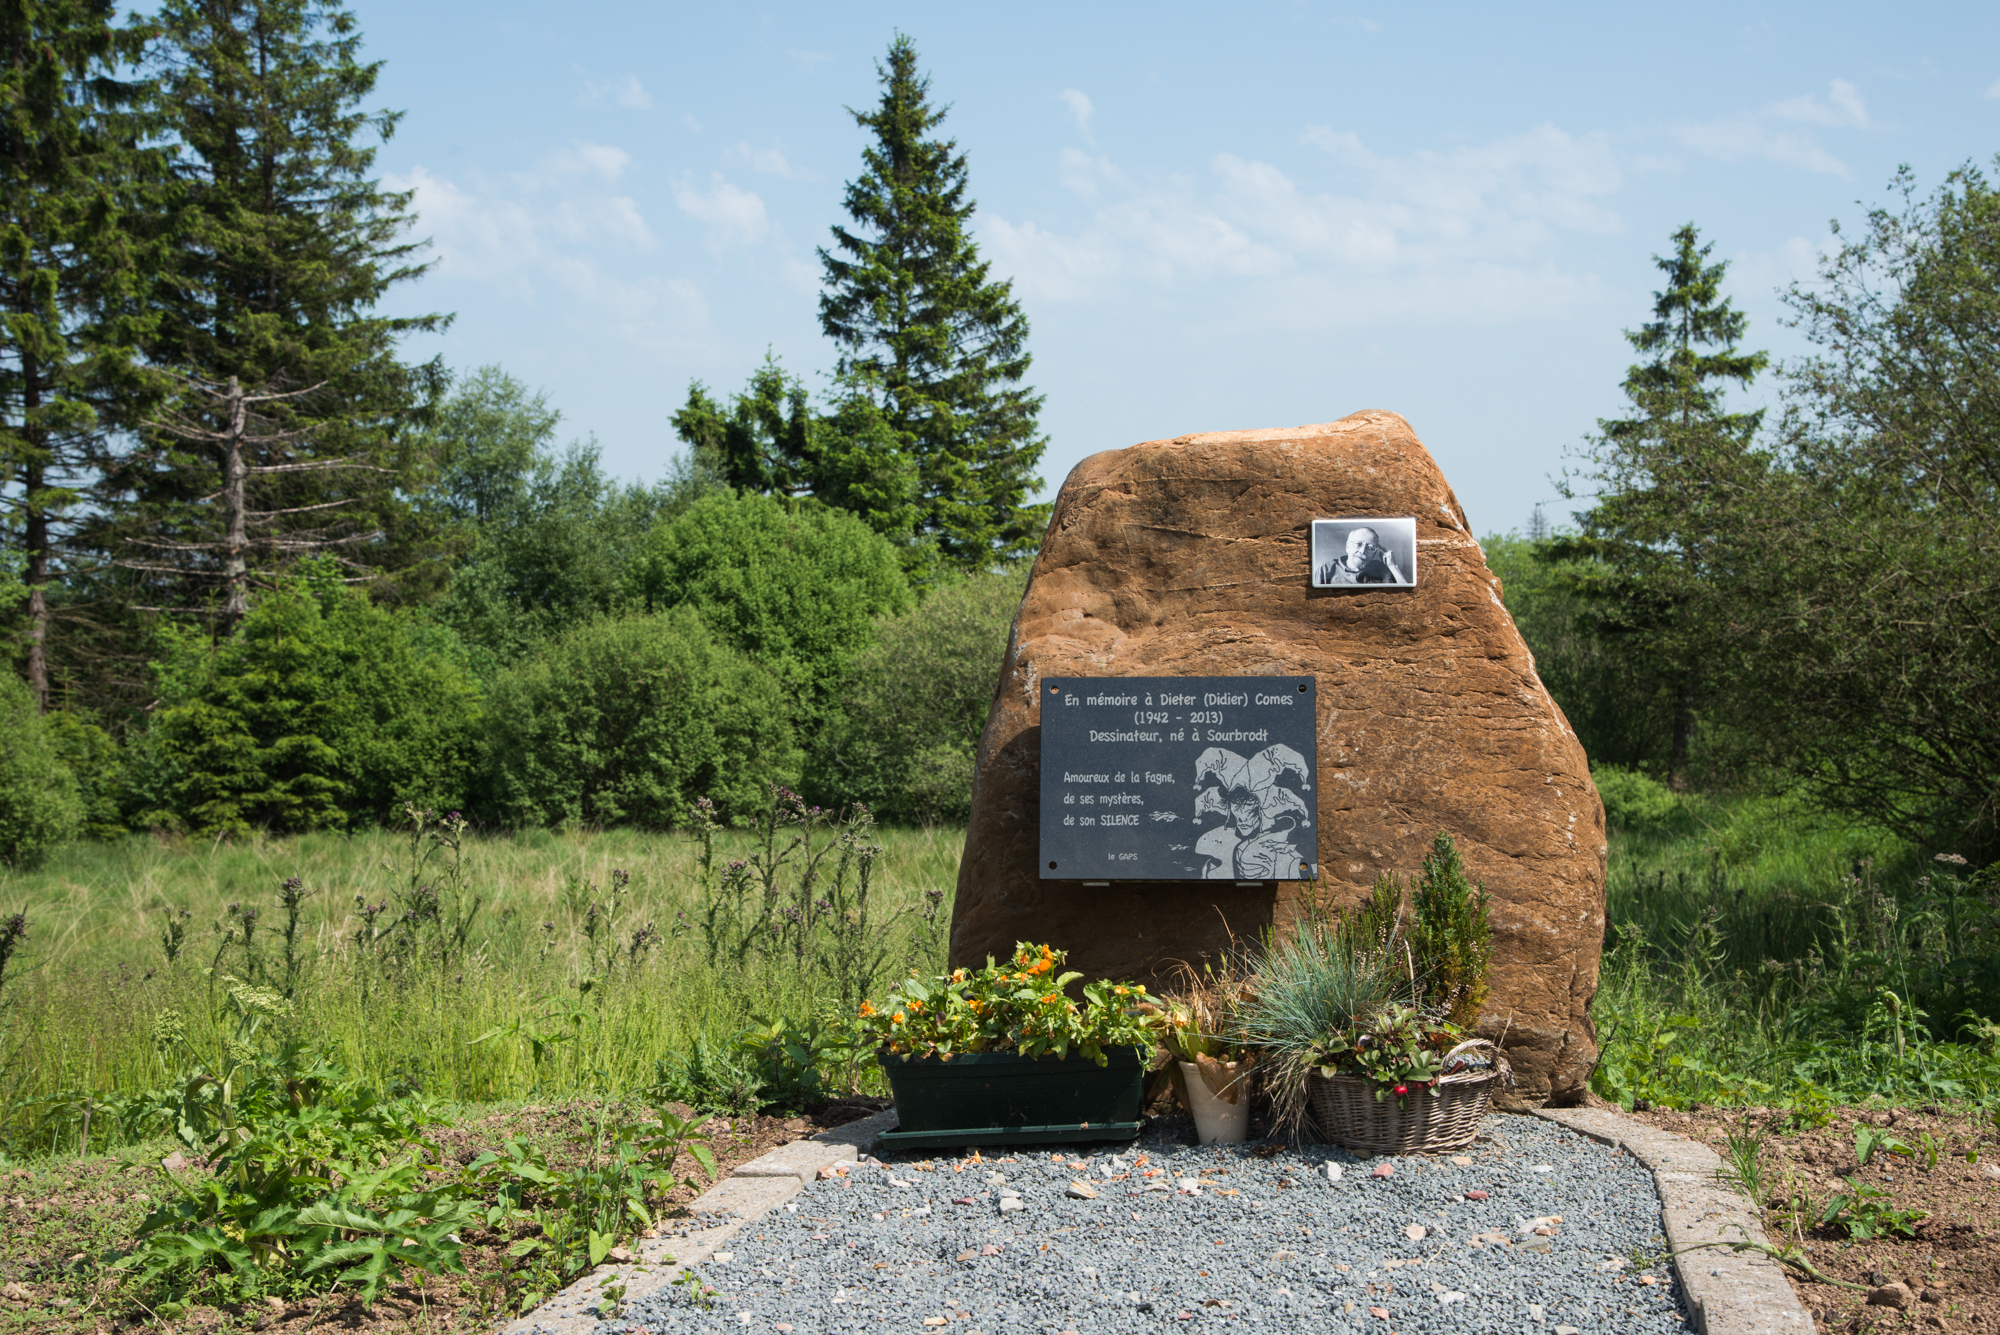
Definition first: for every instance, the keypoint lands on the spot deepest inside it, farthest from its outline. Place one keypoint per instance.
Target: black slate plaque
(1178, 779)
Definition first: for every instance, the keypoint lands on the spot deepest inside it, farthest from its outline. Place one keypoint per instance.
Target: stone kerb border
(746, 1195)
(1732, 1293)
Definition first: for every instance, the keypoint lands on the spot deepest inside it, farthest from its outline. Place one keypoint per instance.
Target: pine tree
(286, 245)
(1668, 480)
(71, 170)
(924, 331)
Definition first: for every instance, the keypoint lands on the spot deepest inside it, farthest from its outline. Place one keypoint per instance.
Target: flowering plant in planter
(1400, 1049)
(1020, 1007)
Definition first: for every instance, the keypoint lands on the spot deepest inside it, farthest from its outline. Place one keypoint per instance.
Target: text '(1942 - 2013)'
(1178, 778)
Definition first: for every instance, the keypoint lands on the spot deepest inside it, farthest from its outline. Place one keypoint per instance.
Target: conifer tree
(286, 244)
(1668, 481)
(71, 172)
(937, 344)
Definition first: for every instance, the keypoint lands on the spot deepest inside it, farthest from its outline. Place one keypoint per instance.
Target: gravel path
(1183, 1237)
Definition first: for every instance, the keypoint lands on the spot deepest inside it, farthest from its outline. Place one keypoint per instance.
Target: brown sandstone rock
(1189, 557)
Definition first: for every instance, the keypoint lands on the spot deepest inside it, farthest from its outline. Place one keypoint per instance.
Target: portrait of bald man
(1359, 553)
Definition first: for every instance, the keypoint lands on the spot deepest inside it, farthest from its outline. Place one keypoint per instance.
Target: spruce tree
(71, 173)
(924, 331)
(1669, 481)
(285, 244)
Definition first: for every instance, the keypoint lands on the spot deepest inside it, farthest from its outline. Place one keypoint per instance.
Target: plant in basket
(1004, 1055)
(1362, 1015)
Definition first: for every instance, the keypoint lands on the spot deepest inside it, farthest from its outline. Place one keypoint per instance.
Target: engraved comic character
(1259, 815)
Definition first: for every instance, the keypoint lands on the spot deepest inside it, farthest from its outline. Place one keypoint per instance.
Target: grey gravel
(1263, 1242)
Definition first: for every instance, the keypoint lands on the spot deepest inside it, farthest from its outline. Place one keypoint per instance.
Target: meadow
(586, 960)
(1756, 953)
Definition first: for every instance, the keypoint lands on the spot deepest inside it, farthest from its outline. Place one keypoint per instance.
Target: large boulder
(1190, 557)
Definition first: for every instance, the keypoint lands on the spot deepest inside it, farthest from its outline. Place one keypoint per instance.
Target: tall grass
(563, 983)
(1755, 947)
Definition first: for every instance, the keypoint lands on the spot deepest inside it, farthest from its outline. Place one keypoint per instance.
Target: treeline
(1807, 601)
(262, 572)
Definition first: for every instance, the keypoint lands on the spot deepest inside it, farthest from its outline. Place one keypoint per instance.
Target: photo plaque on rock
(1178, 779)
(1364, 553)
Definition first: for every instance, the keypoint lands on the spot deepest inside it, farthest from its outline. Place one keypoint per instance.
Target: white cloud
(808, 60)
(509, 232)
(556, 240)
(1756, 136)
(771, 162)
(1994, 89)
(1079, 107)
(603, 161)
(733, 216)
(1470, 230)
(627, 92)
(688, 120)
(1842, 107)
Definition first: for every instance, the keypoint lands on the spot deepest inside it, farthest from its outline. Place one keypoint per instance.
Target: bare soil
(61, 1223)
(1952, 1263)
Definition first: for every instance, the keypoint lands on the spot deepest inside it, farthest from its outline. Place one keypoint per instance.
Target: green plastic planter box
(1003, 1098)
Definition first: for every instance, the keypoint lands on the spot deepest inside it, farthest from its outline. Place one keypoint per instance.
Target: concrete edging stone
(1732, 1293)
(749, 1193)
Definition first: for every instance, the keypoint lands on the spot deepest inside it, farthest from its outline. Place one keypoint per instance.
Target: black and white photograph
(1364, 553)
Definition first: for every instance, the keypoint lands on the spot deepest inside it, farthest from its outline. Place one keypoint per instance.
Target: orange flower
(897, 1018)
(867, 1009)
(916, 1005)
(958, 975)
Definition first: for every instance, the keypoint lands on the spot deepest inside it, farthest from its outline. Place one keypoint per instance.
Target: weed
(1865, 1213)
(1743, 1161)
(1868, 1140)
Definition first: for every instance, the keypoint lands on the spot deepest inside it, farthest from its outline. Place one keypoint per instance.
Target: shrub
(794, 585)
(916, 702)
(1634, 801)
(39, 802)
(319, 710)
(628, 721)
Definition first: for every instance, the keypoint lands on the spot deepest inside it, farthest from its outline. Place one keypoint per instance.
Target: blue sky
(1215, 217)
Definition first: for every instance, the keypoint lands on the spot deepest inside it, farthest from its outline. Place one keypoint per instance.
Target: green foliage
(73, 257)
(1864, 1211)
(1867, 568)
(543, 538)
(321, 710)
(1398, 1047)
(915, 702)
(628, 721)
(1450, 938)
(1633, 800)
(1613, 693)
(1666, 483)
(40, 805)
(1018, 1006)
(1743, 1162)
(1868, 1140)
(772, 440)
(933, 341)
(283, 244)
(795, 586)
(94, 758)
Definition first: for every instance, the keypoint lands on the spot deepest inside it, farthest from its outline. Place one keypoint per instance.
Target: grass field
(590, 978)
(1752, 945)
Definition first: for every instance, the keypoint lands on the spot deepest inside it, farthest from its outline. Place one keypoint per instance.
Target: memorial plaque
(1178, 779)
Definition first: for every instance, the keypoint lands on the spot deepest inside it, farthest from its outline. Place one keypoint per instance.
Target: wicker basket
(1349, 1114)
